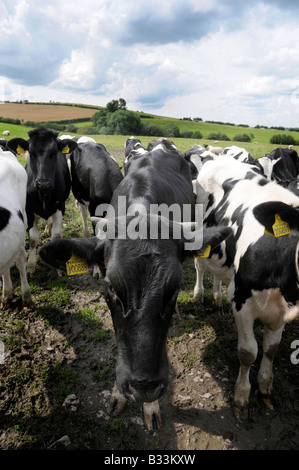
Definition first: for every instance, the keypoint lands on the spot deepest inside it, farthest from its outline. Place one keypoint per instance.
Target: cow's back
(95, 174)
(158, 177)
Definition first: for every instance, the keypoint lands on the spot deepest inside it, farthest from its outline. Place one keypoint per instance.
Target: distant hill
(31, 114)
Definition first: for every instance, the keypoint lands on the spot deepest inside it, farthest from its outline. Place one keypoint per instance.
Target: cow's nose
(43, 185)
(146, 390)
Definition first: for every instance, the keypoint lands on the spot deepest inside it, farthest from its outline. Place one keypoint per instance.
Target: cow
(242, 155)
(133, 150)
(259, 262)
(95, 175)
(48, 184)
(282, 165)
(196, 156)
(164, 141)
(142, 273)
(132, 144)
(13, 222)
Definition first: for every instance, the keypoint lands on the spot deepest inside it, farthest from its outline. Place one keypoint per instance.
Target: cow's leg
(48, 226)
(84, 214)
(33, 241)
(7, 288)
(271, 342)
(151, 411)
(56, 231)
(217, 294)
(198, 292)
(21, 262)
(247, 351)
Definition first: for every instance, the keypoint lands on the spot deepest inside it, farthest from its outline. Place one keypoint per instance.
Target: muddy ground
(58, 374)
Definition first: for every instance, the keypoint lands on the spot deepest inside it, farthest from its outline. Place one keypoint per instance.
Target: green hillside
(258, 146)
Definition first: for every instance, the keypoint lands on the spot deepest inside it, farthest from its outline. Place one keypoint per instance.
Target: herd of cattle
(250, 226)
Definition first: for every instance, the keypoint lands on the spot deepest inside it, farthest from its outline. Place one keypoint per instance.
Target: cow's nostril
(146, 390)
(43, 185)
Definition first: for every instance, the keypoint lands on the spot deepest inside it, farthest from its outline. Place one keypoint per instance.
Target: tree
(153, 130)
(242, 138)
(171, 130)
(99, 119)
(115, 105)
(284, 139)
(275, 139)
(124, 122)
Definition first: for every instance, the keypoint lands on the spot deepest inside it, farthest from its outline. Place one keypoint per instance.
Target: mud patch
(65, 346)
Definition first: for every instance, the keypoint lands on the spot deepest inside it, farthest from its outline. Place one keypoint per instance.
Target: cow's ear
(66, 145)
(201, 242)
(269, 213)
(58, 252)
(18, 146)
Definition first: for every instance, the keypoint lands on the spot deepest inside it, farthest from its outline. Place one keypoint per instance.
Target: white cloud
(220, 60)
(76, 72)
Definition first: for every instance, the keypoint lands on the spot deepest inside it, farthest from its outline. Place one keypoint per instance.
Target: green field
(258, 147)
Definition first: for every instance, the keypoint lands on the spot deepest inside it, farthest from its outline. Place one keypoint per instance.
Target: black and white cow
(281, 165)
(196, 156)
(242, 155)
(48, 184)
(95, 176)
(261, 270)
(142, 273)
(132, 144)
(13, 222)
(133, 150)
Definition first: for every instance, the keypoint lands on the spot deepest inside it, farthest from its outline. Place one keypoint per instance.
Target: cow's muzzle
(145, 390)
(43, 185)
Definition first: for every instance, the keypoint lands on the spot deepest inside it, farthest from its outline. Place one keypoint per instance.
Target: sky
(222, 60)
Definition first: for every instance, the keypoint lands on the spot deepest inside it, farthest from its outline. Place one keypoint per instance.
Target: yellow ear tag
(204, 254)
(280, 227)
(20, 150)
(76, 265)
(66, 149)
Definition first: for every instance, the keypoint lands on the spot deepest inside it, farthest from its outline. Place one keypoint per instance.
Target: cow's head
(142, 280)
(44, 148)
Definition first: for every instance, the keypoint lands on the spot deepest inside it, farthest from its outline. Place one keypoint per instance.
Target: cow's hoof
(241, 413)
(152, 413)
(267, 401)
(117, 402)
(27, 302)
(31, 269)
(6, 303)
(198, 299)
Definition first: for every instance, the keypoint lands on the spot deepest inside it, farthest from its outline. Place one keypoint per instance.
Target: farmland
(44, 112)
(258, 146)
(65, 346)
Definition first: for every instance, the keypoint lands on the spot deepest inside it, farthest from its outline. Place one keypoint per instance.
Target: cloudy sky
(229, 60)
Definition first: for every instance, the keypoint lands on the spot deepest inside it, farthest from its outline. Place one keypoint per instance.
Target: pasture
(58, 368)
